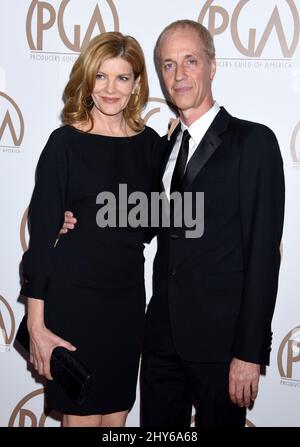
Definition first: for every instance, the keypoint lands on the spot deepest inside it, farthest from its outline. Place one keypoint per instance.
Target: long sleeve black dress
(92, 281)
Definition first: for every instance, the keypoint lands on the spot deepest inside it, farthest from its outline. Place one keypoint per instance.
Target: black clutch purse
(66, 368)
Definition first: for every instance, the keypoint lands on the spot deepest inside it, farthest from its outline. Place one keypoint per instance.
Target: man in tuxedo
(208, 329)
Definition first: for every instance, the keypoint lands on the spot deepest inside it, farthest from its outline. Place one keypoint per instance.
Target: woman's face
(114, 86)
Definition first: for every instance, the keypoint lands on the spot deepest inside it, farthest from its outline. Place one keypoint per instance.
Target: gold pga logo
(288, 358)
(24, 230)
(218, 20)
(11, 124)
(295, 146)
(42, 18)
(28, 413)
(7, 325)
(157, 114)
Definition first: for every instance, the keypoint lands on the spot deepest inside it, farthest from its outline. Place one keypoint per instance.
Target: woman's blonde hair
(77, 94)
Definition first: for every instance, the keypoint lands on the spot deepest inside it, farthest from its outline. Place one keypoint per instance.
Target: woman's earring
(135, 98)
(89, 104)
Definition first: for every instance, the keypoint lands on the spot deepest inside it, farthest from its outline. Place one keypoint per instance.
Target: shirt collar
(198, 128)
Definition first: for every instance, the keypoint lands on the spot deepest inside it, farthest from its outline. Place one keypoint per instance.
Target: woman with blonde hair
(87, 293)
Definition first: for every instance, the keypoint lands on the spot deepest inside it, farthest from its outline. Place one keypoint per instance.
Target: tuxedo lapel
(206, 148)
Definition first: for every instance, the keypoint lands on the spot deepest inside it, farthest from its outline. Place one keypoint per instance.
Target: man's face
(187, 71)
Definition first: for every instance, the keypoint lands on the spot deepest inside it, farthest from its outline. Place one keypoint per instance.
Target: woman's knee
(114, 419)
(70, 420)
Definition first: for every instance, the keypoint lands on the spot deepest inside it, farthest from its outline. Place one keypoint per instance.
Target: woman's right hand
(69, 222)
(42, 343)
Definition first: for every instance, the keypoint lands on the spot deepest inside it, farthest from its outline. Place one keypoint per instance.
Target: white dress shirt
(196, 131)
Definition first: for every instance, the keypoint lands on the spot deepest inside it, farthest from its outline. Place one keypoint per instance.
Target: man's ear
(213, 68)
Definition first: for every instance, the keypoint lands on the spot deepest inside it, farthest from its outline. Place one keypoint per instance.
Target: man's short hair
(203, 33)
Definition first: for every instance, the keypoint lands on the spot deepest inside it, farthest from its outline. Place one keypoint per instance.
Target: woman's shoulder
(150, 132)
(57, 144)
(61, 137)
(153, 137)
(61, 132)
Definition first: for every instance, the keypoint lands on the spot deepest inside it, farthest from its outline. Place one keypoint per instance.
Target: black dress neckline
(105, 136)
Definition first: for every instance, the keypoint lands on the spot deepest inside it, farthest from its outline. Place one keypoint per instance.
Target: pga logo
(255, 27)
(75, 22)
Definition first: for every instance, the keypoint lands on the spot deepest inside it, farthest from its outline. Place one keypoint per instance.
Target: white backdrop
(258, 78)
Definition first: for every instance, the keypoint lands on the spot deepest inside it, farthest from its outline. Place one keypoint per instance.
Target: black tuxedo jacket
(221, 288)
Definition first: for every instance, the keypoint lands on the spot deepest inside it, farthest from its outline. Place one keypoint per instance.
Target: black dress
(93, 280)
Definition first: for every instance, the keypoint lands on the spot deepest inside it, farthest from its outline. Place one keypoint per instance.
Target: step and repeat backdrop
(258, 78)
